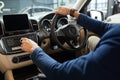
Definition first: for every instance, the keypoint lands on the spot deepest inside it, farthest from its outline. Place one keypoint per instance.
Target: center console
(11, 44)
(15, 27)
(12, 29)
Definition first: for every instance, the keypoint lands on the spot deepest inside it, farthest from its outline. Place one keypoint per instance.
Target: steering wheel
(69, 33)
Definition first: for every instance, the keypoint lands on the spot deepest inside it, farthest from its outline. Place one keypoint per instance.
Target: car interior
(59, 36)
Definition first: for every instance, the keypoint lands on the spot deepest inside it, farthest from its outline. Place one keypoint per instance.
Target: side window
(47, 10)
(42, 10)
(31, 11)
(116, 7)
(38, 9)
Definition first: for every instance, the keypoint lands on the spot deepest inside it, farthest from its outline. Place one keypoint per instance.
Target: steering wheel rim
(54, 36)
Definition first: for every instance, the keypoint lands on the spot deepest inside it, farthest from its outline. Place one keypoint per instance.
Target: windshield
(32, 6)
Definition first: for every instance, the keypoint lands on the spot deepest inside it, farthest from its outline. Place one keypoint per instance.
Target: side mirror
(96, 14)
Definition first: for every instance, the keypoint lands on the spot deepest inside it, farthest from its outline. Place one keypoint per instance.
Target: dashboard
(15, 26)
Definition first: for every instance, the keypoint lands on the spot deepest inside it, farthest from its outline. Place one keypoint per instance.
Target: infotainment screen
(16, 22)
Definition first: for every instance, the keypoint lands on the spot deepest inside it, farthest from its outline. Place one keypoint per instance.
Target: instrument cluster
(45, 22)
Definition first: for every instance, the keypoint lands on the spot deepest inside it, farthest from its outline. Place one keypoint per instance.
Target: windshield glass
(32, 7)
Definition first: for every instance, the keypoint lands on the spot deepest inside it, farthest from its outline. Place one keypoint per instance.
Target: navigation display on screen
(16, 22)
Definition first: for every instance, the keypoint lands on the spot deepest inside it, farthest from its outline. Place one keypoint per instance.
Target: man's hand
(67, 11)
(62, 10)
(28, 45)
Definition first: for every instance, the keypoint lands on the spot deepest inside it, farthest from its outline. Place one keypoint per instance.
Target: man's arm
(93, 25)
(69, 70)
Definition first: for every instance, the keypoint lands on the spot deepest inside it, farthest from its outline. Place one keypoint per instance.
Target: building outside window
(98, 5)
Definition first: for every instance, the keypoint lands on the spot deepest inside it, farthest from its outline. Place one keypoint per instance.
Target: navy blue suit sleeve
(69, 70)
(93, 25)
